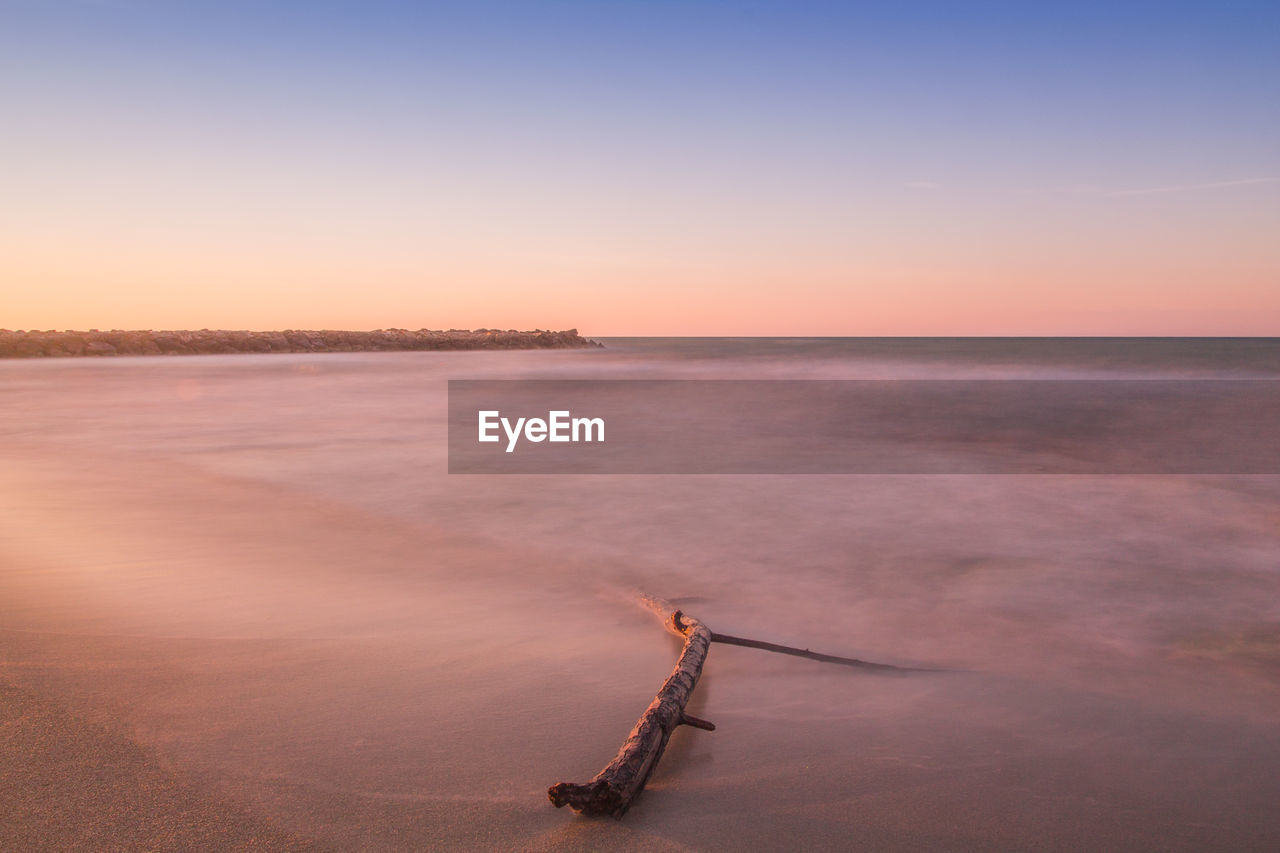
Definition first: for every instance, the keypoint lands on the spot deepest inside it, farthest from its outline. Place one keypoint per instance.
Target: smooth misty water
(260, 565)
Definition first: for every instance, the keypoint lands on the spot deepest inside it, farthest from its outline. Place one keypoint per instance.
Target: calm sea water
(261, 565)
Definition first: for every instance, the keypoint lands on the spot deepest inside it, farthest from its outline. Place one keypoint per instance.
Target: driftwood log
(617, 785)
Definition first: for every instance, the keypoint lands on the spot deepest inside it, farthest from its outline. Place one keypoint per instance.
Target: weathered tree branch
(617, 785)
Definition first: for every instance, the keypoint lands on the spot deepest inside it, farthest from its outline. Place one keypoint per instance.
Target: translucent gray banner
(1210, 426)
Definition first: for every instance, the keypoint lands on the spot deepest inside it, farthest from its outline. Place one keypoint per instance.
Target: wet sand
(70, 783)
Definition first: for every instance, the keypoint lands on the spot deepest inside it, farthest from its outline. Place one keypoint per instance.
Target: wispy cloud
(1178, 188)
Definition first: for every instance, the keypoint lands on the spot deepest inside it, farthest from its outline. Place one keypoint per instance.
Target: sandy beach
(243, 607)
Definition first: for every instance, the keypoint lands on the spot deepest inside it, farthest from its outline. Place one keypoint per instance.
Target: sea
(261, 571)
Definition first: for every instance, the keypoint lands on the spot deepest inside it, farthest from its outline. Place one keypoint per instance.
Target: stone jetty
(37, 344)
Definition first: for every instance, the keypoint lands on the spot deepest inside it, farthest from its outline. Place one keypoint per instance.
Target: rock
(169, 344)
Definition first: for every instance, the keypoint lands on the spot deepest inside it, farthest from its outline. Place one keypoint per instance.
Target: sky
(642, 168)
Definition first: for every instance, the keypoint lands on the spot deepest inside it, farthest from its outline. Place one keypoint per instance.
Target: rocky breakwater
(35, 344)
